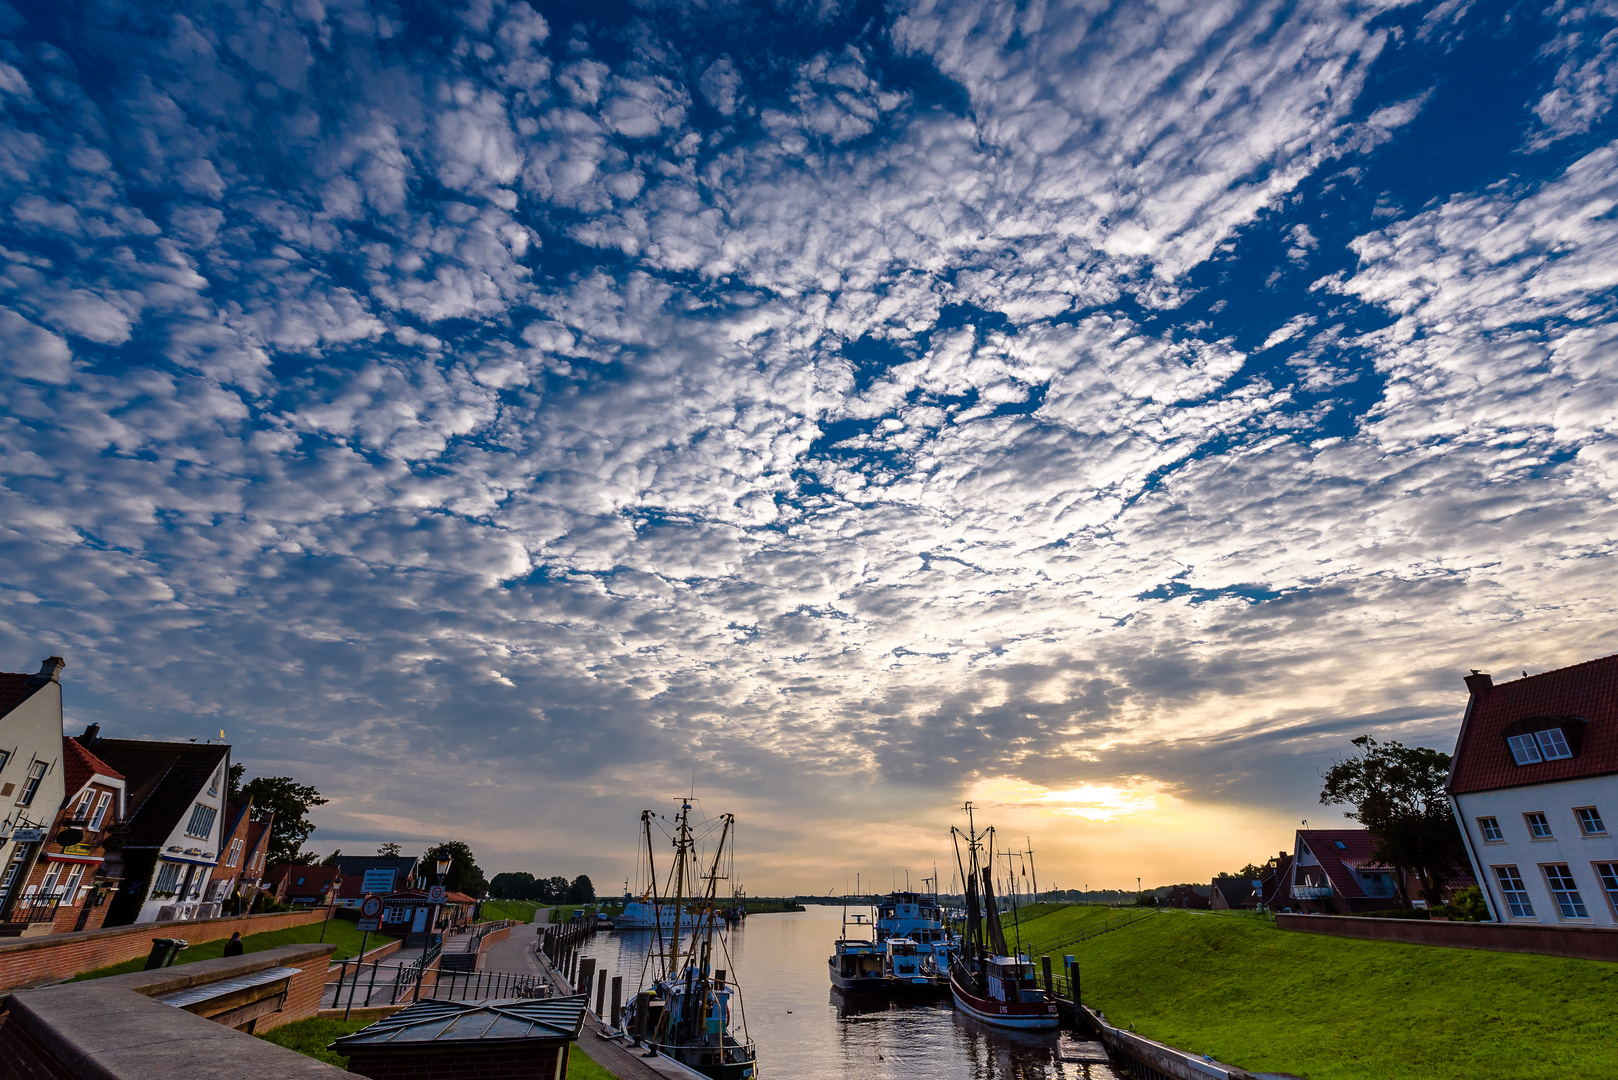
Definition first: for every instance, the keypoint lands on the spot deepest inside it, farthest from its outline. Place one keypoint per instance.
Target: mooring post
(601, 993)
(617, 999)
(1045, 963)
(1073, 990)
(587, 970)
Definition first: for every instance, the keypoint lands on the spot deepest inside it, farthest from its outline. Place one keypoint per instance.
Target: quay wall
(52, 958)
(112, 1029)
(1576, 942)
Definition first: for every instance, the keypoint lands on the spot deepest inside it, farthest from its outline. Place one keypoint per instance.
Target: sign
(435, 895)
(368, 925)
(370, 908)
(79, 849)
(378, 879)
(28, 836)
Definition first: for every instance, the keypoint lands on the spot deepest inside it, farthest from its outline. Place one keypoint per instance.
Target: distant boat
(985, 981)
(916, 944)
(857, 965)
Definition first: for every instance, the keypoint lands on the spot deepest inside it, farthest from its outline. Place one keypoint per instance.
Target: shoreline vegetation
(1233, 986)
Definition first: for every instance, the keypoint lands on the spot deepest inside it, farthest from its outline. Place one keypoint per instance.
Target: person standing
(233, 947)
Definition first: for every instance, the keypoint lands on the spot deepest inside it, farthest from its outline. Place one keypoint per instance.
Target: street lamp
(442, 865)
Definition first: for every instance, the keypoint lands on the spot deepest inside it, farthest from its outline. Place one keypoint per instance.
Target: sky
(507, 417)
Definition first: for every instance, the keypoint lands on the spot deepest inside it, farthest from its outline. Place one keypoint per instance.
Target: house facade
(71, 883)
(1534, 787)
(372, 875)
(31, 782)
(1334, 870)
(175, 827)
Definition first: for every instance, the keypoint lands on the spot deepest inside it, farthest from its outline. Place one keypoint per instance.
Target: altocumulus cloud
(497, 418)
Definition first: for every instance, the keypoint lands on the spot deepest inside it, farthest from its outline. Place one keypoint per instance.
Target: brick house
(1334, 870)
(31, 784)
(301, 885)
(70, 884)
(244, 845)
(176, 817)
(1534, 787)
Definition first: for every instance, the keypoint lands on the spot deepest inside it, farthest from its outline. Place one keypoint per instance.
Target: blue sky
(1103, 412)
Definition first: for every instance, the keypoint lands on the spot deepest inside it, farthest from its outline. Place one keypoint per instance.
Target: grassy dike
(1326, 1008)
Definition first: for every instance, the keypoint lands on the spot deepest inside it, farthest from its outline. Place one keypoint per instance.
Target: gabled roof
(167, 778)
(1588, 691)
(514, 1021)
(79, 765)
(1341, 852)
(16, 689)
(402, 865)
(1236, 891)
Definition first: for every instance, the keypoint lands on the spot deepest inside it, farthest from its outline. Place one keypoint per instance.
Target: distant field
(1239, 990)
(520, 910)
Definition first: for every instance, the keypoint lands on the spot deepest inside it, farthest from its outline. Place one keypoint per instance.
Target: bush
(1467, 906)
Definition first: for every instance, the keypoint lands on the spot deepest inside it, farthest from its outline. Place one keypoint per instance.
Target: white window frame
(5, 756)
(1607, 877)
(100, 814)
(201, 811)
(235, 852)
(1553, 744)
(53, 874)
(1564, 890)
(30, 787)
(70, 890)
(1514, 891)
(169, 870)
(1524, 749)
(1585, 824)
(1491, 824)
(81, 812)
(1534, 827)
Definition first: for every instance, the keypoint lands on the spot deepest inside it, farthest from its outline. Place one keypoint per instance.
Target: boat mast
(1029, 840)
(682, 847)
(657, 908)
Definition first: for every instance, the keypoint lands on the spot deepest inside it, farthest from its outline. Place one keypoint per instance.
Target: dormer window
(1544, 738)
(1340, 845)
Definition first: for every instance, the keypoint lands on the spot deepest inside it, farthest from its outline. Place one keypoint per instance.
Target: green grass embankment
(345, 935)
(520, 910)
(311, 1037)
(1328, 1008)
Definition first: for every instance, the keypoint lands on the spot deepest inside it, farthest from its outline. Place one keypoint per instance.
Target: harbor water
(807, 1031)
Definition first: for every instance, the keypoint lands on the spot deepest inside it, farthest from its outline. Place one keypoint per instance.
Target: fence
(361, 985)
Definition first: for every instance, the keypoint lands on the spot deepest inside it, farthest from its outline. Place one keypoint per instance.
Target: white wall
(32, 731)
(1568, 845)
(178, 837)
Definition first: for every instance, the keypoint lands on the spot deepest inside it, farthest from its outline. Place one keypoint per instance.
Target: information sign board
(378, 879)
(369, 925)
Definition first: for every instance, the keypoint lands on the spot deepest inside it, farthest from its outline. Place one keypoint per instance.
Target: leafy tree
(388, 849)
(233, 782)
(514, 886)
(331, 860)
(1398, 794)
(582, 891)
(464, 875)
(552, 890)
(291, 803)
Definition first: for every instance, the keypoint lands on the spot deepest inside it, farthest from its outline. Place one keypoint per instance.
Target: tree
(388, 849)
(514, 886)
(464, 875)
(291, 803)
(233, 782)
(1398, 794)
(331, 860)
(581, 891)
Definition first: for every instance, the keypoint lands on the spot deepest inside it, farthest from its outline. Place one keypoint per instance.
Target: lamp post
(442, 865)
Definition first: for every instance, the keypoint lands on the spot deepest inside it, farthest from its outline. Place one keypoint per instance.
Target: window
(1565, 892)
(5, 756)
(1608, 873)
(1523, 749)
(1538, 827)
(100, 814)
(1553, 744)
(30, 788)
(1590, 821)
(1340, 845)
(168, 875)
(70, 888)
(1513, 892)
(300, 881)
(201, 823)
(1491, 830)
(48, 886)
(235, 852)
(82, 811)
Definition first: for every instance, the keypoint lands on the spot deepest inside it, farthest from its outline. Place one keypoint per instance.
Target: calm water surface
(806, 1031)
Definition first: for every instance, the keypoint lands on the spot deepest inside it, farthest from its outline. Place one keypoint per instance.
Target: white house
(1534, 786)
(31, 785)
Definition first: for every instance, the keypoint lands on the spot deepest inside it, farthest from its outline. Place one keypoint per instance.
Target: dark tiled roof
(165, 777)
(1483, 760)
(485, 1023)
(78, 765)
(1340, 862)
(1236, 891)
(16, 689)
(405, 865)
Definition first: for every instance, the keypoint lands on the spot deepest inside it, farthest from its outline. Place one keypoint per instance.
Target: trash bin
(164, 950)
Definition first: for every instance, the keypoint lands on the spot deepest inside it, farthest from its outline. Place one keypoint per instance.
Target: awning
(87, 860)
(191, 859)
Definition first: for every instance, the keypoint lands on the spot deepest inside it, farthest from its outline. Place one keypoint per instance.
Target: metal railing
(361, 985)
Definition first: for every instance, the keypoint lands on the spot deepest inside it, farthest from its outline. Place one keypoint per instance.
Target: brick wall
(423, 1063)
(22, 1058)
(35, 961)
(1580, 942)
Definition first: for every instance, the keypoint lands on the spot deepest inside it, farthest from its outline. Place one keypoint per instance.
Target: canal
(805, 1031)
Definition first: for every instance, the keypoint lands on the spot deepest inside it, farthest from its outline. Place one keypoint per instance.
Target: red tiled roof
(1589, 690)
(16, 689)
(78, 765)
(1340, 862)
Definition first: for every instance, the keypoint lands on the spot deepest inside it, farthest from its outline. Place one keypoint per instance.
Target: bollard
(1045, 963)
(587, 971)
(601, 994)
(617, 1000)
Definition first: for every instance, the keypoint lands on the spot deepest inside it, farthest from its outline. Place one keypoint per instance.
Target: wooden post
(587, 971)
(617, 999)
(1073, 991)
(1045, 962)
(601, 993)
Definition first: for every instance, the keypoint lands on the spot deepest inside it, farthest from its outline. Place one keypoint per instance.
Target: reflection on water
(807, 1031)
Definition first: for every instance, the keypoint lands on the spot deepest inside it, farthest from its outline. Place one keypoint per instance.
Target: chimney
(91, 736)
(1479, 683)
(51, 668)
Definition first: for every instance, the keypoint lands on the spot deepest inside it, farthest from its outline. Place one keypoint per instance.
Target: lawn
(581, 1067)
(521, 910)
(1328, 1008)
(311, 1037)
(345, 935)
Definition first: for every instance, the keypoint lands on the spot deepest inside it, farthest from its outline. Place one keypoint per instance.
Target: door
(420, 922)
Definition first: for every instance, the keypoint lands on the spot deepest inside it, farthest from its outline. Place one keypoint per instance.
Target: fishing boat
(687, 1007)
(916, 943)
(857, 965)
(986, 981)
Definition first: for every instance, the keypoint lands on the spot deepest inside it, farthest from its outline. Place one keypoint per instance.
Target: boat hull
(869, 985)
(1024, 1016)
